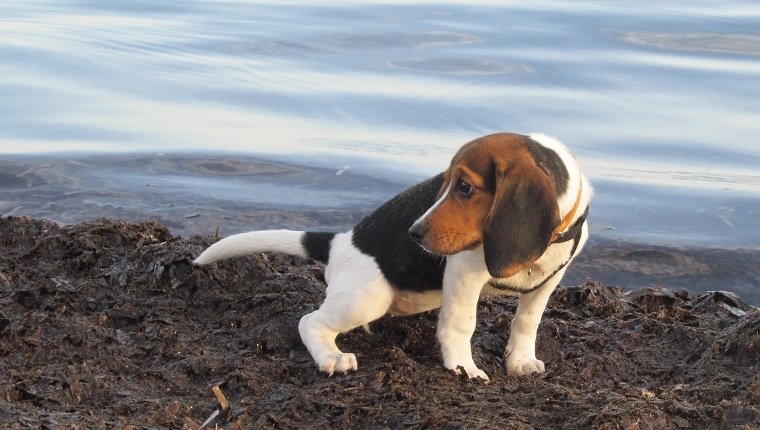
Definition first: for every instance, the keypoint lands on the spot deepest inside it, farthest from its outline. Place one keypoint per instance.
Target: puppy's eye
(464, 189)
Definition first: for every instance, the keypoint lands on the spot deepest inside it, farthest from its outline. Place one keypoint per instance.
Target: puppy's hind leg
(348, 305)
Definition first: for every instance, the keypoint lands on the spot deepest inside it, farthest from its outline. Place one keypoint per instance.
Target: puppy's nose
(418, 231)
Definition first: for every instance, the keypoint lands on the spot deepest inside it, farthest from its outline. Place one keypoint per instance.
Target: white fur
(463, 280)
(435, 205)
(286, 241)
(358, 293)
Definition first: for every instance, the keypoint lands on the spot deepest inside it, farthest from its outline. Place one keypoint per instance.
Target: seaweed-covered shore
(108, 325)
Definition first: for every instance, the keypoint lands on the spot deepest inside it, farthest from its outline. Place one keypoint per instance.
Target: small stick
(220, 398)
(190, 424)
(210, 418)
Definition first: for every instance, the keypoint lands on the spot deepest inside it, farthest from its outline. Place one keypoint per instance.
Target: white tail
(285, 241)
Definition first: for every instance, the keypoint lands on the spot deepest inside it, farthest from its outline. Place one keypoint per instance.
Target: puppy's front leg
(521, 348)
(463, 280)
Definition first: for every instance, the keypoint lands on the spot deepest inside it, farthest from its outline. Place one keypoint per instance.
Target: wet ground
(108, 325)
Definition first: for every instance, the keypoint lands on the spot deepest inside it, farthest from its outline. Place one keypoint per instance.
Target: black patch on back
(550, 163)
(384, 234)
(317, 245)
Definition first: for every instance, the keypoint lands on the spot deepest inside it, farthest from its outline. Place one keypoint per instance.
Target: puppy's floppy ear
(523, 216)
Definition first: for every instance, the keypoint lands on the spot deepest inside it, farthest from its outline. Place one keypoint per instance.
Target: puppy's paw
(338, 362)
(523, 365)
(472, 372)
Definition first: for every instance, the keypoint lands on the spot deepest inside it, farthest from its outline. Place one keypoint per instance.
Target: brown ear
(523, 216)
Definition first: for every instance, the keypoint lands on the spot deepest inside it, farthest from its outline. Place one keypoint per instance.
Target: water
(659, 100)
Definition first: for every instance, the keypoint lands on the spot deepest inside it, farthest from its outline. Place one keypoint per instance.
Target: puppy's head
(494, 194)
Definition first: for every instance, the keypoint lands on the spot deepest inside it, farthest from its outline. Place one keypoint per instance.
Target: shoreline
(194, 195)
(626, 265)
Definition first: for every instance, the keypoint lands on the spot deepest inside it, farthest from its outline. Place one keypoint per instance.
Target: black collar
(574, 232)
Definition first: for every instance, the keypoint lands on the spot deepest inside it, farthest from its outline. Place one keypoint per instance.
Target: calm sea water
(659, 99)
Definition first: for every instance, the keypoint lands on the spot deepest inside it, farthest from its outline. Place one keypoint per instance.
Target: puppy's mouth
(473, 245)
(441, 243)
(450, 251)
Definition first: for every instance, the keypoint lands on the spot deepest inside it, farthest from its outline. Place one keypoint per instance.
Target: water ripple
(707, 42)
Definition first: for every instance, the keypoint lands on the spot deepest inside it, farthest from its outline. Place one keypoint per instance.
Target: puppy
(506, 217)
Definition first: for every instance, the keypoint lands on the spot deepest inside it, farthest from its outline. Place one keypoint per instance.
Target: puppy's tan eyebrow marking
(469, 176)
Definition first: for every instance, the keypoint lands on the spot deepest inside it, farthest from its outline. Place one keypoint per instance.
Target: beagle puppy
(506, 217)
